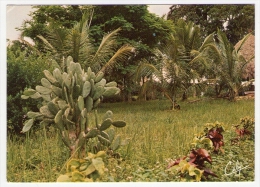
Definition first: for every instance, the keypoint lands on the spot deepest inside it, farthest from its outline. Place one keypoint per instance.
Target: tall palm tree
(75, 42)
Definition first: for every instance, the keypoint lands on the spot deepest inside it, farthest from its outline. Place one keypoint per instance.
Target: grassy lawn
(153, 135)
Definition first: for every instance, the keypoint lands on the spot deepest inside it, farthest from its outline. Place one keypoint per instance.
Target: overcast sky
(15, 15)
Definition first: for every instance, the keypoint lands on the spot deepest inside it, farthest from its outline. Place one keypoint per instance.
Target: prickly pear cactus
(68, 98)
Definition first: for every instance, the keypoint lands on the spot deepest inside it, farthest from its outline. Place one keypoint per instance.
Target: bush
(24, 70)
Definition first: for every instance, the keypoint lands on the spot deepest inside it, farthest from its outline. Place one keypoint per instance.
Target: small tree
(68, 98)
(179, 63)
(232, 64)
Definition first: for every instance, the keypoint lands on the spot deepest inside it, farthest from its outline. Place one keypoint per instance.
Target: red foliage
(197, 158)
(216, 137)
(175, 162)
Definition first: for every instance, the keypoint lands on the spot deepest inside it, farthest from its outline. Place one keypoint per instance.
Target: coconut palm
(181, 59)
(75, 42)
(232, 64)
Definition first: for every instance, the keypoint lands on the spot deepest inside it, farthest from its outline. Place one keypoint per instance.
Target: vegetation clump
(68, 100)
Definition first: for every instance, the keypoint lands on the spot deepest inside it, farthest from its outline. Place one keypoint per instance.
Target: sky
(15, 15)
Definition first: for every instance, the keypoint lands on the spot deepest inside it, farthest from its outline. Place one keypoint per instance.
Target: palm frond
(77, 40)
(207, 41)
(47, 43)
(227, 50)
(241, 43)
(121, 55)
(145, 69)
(106, 47)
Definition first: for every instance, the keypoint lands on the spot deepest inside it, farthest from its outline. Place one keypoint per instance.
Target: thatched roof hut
(248, 50)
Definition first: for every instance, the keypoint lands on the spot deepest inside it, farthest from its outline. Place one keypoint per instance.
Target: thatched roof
(248, 50)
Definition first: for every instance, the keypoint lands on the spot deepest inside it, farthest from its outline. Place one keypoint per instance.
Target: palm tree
(75, 42)
(181, 59)
(232, 64)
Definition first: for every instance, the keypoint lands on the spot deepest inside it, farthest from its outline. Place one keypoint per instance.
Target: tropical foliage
(24, 70)
(229, 70)
(83, 56)
(182, 59)
(75, 42)
(235, 20)
(68, 98)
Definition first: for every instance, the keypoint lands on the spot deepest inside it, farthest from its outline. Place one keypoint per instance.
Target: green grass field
(153, 135)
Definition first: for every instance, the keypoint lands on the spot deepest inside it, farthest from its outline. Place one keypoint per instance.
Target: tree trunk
(194, 92)
(218, 89)
(194, 89)
(129, 96)
(184, 96)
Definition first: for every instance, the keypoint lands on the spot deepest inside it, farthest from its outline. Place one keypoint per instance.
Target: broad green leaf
(73, 163)
(56, 90)
(53, 108)
(99, 165)
(72, 67)
(46, 97)
(29, 92)
(111, 133)
(77, 176)
(78, 69)
(110, 91)
(99, 76)
(57, 75)
(86, 89)
(105, 124)
(101, 83)
(207, 142)
(46, 83)
(184, 166)
(108, 114)
(83, 166)
(36, 95)
(80, 103)
(91, 155)
(43, 90)
(111, 84)
(33, 114)
(101, 154)
(63, 178)
(91, 168)
(58, 119)
(24, 97)
(89, 103)
(119, 124)
(28, 124)
(198, 174)
(116, 143)
(191, 170)
(98, 92)
(62, 104)
(68, 80)
(49, 76)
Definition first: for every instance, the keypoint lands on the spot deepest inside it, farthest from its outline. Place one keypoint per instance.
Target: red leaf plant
(197, 158)
(214, 134)
(244, 130)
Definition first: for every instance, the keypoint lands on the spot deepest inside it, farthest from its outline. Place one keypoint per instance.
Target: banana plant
(68, 99)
